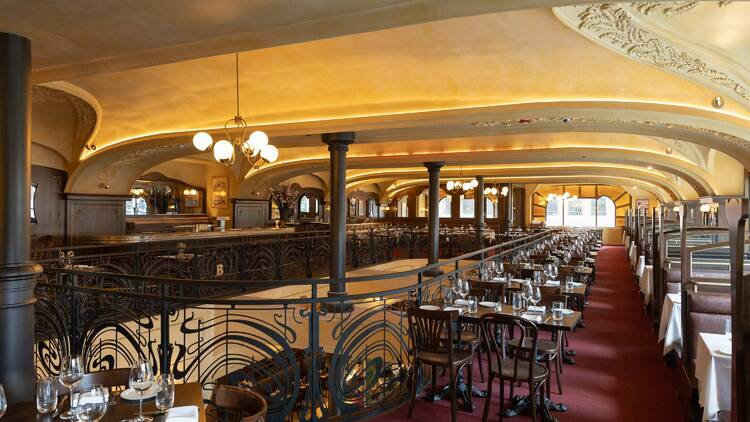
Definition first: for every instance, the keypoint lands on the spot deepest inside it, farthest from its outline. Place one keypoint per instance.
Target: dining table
(545, 322)
(187, 394)
(670, 324)
(713, 371)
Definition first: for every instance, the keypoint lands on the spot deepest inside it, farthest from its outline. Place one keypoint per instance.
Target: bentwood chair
(512, 364)
(236, 404)
(112, 378)
(429, 348)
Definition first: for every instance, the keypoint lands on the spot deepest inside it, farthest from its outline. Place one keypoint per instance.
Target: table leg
(522, 404)
(464, 393)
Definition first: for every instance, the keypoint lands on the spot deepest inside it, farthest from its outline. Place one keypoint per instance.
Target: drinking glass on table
(569, 283)
(517, 301)
(92, 403)
(473, 304)
(447, 295)
(3, 401)
(455, 287)
(141, 379)
(536, 296)
(554, 272)
(557, 310)
(46, 395)
(728, 328)
(71, 371)
(463, 289)
(164, 392)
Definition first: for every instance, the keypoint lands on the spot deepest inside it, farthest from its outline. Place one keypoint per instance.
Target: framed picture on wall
(220, 191)
(641, 204)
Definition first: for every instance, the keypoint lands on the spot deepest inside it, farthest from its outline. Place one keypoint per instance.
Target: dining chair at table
(112, 378)
(236, 404)
(426, 327)
(509, 364)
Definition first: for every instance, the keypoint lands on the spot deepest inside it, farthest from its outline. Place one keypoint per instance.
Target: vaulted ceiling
(524, 91)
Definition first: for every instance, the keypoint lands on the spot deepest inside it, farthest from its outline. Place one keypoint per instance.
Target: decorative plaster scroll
(109, 172)
(516, 123)
(613, 26)
(86, 114)
(670, 9)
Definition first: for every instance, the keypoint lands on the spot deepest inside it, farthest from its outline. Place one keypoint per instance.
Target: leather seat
(460, 357)
(547, 347)
(466, 337)
(540, 372)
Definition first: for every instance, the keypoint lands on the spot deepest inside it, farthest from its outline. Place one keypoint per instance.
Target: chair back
(494, 292)
(426, 328)
(236, 404)
(549, 290)
(112, 378)
(547, 300)
(498, 329)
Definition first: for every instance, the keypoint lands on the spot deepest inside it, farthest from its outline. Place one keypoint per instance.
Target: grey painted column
(509, 207)
(17, 274)
(433, 213)
(338, 145)
(479, 212)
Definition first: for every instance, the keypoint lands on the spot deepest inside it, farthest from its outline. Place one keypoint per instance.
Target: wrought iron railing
(309, 362)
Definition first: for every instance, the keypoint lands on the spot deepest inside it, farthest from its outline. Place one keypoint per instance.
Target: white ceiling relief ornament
(631, 31)
(670, 9)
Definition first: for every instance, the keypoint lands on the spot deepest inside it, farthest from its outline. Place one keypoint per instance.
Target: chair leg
(413, 388)
(434, 382)
(558, 368)
(549, 384)
(453, 394)
(533, 390)
(502, 397)
(479, 361)
(485, 414)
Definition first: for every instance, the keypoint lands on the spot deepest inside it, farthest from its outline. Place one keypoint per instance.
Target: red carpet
(619, 374)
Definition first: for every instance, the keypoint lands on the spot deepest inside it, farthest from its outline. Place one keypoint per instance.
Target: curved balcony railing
(308, 362)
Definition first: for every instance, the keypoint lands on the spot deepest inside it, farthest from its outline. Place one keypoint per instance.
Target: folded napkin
(552, 283)
(183, 414)
(500, 279)
(576, 284)
(536, 309)
(461, 302)
(451, 308)
(535, 318)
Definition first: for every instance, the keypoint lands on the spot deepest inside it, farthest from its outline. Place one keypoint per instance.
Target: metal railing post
(165, 346)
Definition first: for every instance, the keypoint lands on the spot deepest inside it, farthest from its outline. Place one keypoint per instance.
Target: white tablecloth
(633, 255)
(641, 264)
(670, 325)
(646, 283)
(713, 369)
(627, 244)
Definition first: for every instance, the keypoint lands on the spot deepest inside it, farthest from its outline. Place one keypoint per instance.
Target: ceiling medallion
(255, 148)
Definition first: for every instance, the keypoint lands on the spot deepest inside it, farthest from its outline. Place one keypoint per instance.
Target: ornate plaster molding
(670, 9)
(109, 172)
(546, 120)
(87, 115)
(615, 27)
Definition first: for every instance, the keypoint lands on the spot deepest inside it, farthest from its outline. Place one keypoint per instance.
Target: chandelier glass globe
(269, 152)
(202, 141)
(255, 143)
(223, 150)
(474, 183)
(450, 185)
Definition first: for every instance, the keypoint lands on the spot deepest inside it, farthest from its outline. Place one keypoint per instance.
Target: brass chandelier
(456, 186)
(255, 148)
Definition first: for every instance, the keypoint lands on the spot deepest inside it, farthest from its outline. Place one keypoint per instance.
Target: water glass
(46, 395)
(92, 403)
(517, 301)
(568, 283)
(3, 402)
(557, 310)
(728, 329)
(473, 304)
(164, 391)
(447, 295)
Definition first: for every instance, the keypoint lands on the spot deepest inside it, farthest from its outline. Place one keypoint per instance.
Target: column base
(433, 273)
(17, 372)
(337, 307)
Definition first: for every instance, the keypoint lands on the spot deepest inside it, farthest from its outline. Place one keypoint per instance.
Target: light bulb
(193, 192)
(705, 208)
(574, 197)
(186, 192)
(466, 186)
(487, 191)
(202, 140)
(676, 208)
(257, 140)
(449, 185)
(493, 191)
(566, 195)
(474, 183)
(223, 150)
(505, 190)
(269, 153)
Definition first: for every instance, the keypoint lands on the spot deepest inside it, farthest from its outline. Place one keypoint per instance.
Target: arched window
(580, 212)
(467, 207)
(403, 207)
(304, 204)
(372, 208)
(308, 206)
(422, 204)
(490, 208)
(444, 207)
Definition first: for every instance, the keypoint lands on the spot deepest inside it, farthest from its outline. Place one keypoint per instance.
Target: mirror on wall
(156, 194)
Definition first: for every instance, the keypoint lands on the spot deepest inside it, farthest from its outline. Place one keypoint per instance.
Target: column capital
(434, 165)
(338, 141)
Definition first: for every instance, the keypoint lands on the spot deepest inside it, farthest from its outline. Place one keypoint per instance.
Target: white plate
(133, 395)
(488, 304)
(568, 312)
(429, 308)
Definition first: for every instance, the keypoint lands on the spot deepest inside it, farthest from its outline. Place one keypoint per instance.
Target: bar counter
(186, 235)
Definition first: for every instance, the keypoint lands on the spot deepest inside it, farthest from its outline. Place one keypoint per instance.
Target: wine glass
(566, 257)
(456, 286)
(554, 272)
(92, 403)
(141, 379)
(3, 401)
(463, 289)
(71, 371)
(536, 296)
(447, 295)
